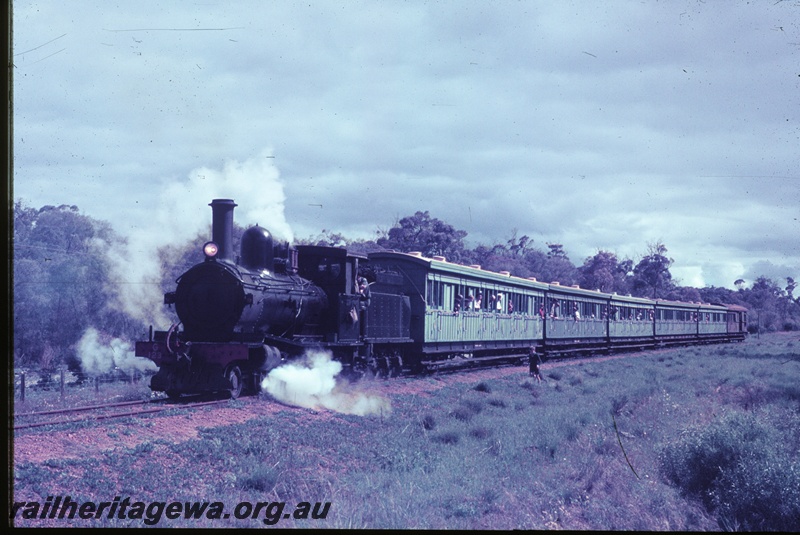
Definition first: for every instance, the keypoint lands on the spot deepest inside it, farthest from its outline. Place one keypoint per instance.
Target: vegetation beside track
(681, 439)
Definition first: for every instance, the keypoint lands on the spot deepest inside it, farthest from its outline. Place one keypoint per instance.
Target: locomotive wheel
(234, 375)
(386, 367)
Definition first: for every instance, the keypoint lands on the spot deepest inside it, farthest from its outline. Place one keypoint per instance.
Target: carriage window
(521, 305)
(435, 294)
(512, 303)
(448, 296)
(458, 299)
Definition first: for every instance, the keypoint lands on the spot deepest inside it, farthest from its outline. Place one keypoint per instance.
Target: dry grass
(596, 445)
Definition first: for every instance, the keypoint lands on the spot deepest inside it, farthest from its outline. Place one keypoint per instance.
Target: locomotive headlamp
(210, 249)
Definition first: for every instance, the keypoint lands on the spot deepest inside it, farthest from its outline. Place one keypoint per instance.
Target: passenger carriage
(712, 322)
(736, 320)
(631, 321)
(464, 311)
(676, 321)
(576, 318)
(467, 312)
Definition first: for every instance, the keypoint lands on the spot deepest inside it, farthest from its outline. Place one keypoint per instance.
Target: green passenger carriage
(464, 311)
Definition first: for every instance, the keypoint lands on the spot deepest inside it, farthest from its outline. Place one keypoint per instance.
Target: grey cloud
(597, 125)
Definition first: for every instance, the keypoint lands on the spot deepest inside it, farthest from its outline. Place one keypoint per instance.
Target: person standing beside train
(533, 365)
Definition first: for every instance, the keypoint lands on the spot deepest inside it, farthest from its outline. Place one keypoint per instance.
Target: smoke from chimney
(183, 216)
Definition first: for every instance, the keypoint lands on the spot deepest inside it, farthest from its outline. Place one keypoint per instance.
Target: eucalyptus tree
(651, 276)
(62, 283)
(426, 234)
(606, 273)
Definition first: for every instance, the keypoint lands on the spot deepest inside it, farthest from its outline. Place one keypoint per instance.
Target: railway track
(107, 411)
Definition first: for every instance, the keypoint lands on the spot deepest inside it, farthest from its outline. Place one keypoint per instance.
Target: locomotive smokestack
(222, 226)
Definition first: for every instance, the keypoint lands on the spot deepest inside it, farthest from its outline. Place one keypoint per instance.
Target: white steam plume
(99, 356)
(183, 214)
(311, 383)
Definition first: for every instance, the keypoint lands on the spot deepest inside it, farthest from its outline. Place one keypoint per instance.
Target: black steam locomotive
(389, 313)
(242, 317)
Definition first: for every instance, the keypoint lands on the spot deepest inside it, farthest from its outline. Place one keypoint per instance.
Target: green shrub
(263, 479)
(742, 468)
(480, 432)
(428, 422)
(462, 413)
(482, 387)
(617, 404)
(497, 402)
(446, 437)
(466, 410)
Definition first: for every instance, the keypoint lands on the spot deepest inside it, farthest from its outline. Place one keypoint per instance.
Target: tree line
(64, 283)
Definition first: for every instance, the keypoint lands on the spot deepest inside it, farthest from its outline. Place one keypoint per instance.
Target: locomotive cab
(335, 270)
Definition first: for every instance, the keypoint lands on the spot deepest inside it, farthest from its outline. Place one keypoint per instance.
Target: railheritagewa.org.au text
(154, 512)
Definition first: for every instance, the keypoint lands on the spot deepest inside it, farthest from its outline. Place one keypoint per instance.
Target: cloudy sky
(598, 125)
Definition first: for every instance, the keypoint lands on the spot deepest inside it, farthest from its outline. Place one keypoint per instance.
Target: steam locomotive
(242, 317)
(389, 313)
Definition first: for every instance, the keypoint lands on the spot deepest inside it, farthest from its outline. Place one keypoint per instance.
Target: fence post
(22, 386)
(62, 384)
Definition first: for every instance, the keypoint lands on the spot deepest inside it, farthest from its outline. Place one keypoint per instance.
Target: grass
(700, 438)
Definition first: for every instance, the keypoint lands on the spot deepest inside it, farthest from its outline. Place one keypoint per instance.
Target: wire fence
(61, 382)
